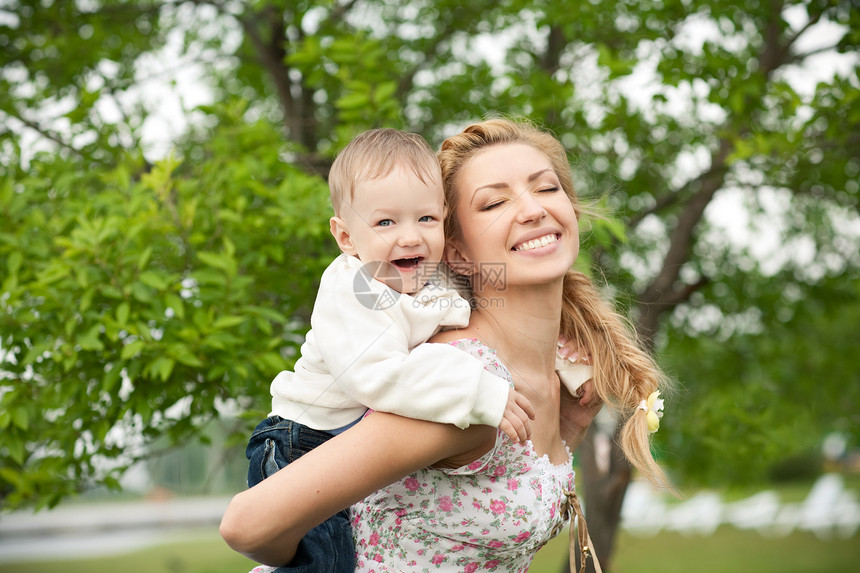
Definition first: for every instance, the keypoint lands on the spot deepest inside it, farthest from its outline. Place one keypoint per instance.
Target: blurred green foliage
(136, 301)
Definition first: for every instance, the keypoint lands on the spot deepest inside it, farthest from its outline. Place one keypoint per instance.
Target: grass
(203, 555)
(728, 549)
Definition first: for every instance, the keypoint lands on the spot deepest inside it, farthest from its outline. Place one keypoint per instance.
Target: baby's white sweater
(357, 357)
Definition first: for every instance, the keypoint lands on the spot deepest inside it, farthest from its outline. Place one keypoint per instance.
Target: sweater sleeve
(366, 350)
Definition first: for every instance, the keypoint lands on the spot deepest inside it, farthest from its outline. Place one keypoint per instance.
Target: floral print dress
(492, 515)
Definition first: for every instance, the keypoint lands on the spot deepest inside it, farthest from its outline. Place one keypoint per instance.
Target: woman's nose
(530, 209)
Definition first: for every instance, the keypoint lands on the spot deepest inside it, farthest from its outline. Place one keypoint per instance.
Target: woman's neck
(521, 324)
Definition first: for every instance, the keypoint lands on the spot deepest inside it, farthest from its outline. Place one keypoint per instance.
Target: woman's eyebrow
(502, 185)
(537, 174)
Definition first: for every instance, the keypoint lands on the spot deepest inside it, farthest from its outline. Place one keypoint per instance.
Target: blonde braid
(624, 374)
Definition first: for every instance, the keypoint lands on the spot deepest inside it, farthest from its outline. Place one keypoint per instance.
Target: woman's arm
(267, 521)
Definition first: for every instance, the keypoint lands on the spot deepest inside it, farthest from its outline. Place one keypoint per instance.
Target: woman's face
(518, 226)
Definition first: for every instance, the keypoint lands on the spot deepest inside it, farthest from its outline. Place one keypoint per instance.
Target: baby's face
(398, 219)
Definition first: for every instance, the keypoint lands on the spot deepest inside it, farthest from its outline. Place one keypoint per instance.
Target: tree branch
(49, 135)
(812, 22)
(815, 52)
(662, 202)
(340, 11)
(407, 80)
(682, 234)
(550, 61)
(775, 52)
(663, 292)
(271, 56)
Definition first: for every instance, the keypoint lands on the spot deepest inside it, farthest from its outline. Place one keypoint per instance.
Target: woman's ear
(458, 262)
(340, 232)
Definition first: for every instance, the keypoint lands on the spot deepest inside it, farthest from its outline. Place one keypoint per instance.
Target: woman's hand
(571, 352)
(579, 400)
(577, 413)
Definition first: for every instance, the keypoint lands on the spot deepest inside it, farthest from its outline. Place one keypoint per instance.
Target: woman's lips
(536, 243)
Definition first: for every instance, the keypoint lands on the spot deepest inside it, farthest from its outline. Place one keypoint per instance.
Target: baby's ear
(458, 262)
(340, 232)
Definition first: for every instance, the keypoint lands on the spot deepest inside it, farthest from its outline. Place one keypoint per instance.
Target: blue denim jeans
(328, 547)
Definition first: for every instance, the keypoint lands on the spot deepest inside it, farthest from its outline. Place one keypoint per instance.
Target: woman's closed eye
(492, 205)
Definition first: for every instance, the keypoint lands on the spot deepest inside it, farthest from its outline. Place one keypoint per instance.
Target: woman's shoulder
(466, 341)
(463, 339)
(453, 335)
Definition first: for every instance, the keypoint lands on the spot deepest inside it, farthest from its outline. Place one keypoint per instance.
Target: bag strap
(581, 540)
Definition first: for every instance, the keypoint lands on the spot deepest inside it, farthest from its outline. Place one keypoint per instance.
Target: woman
(473, 499)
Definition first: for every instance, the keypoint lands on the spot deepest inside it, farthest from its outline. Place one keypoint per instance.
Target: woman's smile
(532, 244)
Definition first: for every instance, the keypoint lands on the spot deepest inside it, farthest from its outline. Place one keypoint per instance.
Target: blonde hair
(624, 374)
(373, 154)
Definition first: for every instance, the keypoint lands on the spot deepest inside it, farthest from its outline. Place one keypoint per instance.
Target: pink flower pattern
(491, 515)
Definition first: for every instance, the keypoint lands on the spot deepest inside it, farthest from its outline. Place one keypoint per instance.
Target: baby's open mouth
(408, 263)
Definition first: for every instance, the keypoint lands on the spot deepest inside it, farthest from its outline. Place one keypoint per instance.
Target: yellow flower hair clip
(653, 408)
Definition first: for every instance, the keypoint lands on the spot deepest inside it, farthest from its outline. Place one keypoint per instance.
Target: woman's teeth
(537, 243)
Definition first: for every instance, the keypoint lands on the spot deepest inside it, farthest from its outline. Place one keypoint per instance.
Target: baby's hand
(516, 422)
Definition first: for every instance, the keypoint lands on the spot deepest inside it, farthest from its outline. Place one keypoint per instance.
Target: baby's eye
(385, 223)
(426, 219)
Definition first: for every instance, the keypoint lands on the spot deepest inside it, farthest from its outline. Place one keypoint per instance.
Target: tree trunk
(604, 476)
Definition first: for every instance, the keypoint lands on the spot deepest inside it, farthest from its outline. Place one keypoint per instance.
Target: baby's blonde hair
(624, 374)
(373, 154)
